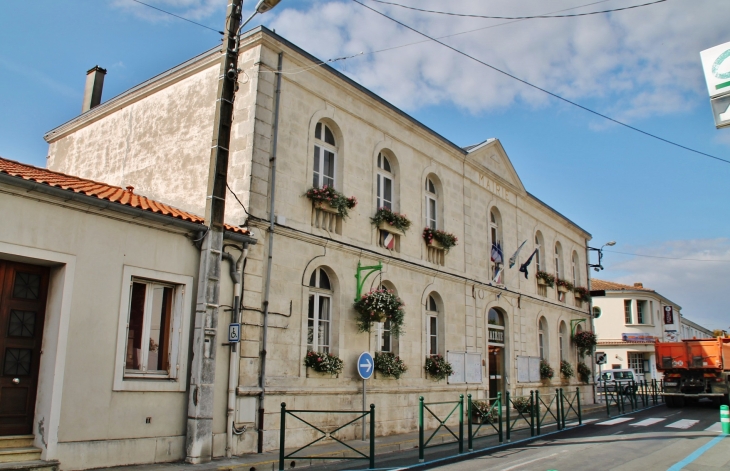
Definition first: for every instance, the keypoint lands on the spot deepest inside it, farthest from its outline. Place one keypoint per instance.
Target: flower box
(388, 227)
(541, 282)
(380, 305)
(311, 373)
(435, 244)
(326, 207)
(381, 376)
(562, 289)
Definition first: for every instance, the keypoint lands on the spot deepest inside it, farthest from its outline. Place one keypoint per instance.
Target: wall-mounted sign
(716, 65)
(467, 367)
(721, 110)
(638, 337)
(668, 315)
(671, 336)
(496, 336)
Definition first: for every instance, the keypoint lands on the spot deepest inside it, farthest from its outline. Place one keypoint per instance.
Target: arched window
(575, 268)
(558, 260)
(538, 254)
(325, 155)
(432, 326)
(596, 312)
(495, 323)
(562, 339)
(385, 187)
(542, 338)
(385, 339)
(431, 204)
(495, 233)
(319, 317)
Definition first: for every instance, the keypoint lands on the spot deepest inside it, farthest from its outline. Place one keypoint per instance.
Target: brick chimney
(94, 85)
(638, 285)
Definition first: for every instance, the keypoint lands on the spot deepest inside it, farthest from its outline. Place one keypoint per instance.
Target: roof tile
(601, 285)
(99, 190)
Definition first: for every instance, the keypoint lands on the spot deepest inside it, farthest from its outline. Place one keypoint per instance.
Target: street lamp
(261, 7)
(598, 266)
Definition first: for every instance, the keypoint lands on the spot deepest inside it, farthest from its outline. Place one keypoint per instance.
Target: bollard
(537, 410)
(420, 429)
(470, 445)
(607, 398)
(461, 423)
(532, 413)
(725, 419)
(558, 406)
(506, 394)
(499, 404)
(282, 435)
(372, 436)
(577, 399)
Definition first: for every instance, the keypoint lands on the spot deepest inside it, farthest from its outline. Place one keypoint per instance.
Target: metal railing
(494, 411)
(552, 410)
(422, 407)
(572, 401)
(325, 434)
(521, 405)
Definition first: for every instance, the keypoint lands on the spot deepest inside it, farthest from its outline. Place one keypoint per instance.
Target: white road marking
(616, 421)
(683, 424)
(586, 421)
(531, 461)
(647, 422)
(716, 427)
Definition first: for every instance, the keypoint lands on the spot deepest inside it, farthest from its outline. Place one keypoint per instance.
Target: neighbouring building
(493, 323)
(630, 319)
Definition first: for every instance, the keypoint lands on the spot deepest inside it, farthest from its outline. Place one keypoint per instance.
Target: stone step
(16, 441)
(13, 455)
(35, 465)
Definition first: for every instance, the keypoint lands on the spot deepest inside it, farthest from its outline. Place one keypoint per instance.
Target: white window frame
(628, 303)
(383, 175)
(431, 335)
(432, 219)
(181, 313)
(538, 246)
(321, 145)
(635, 365)
(320, 293)
(381, 334)
(641, 312)
(557, 261)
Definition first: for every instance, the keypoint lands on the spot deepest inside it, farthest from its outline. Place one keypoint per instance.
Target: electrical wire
(517, 17)
(668, 258)
(178, 16)
(554, 95)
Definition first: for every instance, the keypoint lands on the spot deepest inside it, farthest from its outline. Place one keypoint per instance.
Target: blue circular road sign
(365, 365)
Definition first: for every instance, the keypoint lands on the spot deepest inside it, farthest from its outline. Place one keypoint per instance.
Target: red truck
(693, 369)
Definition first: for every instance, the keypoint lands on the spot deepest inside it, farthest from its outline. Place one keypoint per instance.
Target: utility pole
(199, 446)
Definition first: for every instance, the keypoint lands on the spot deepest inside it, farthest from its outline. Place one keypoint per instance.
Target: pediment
(491, 155)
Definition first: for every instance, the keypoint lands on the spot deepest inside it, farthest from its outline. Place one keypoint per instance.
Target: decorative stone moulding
(317, 374)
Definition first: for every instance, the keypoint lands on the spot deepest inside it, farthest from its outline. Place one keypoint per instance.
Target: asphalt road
(654, 439)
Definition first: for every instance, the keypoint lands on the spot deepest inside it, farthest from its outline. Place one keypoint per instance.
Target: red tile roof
(99, 190)
(600, 285)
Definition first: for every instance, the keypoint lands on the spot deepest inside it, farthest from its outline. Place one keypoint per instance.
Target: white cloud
(637, 63)
(698, 286)
(190, 9)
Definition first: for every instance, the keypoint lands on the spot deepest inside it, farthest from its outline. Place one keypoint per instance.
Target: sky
(639, 66)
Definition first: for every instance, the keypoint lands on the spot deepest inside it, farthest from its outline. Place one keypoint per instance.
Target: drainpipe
(236, 276)
(267, 286)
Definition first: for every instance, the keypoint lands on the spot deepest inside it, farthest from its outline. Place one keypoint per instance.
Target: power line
(555, 95)
(668, 258)
(517, 17)
(178, 16)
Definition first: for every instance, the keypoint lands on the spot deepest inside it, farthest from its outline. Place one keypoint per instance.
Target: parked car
(622, 379)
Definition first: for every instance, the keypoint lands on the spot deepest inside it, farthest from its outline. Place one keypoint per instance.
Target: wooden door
(23, 290)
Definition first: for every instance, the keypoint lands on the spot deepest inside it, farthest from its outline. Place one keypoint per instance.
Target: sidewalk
(397, 450)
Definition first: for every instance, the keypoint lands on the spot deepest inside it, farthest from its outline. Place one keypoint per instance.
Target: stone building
(332, 131)
(629, 319)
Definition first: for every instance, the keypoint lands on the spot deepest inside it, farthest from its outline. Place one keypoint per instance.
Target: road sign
(601, 358)
(716, 65)
(721, 110)
(365, 365)
(234, 332)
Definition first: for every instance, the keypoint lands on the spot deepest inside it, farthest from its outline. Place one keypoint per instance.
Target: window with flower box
(319, 312)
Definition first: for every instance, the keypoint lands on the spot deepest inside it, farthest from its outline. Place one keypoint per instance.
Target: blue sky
(641, 66)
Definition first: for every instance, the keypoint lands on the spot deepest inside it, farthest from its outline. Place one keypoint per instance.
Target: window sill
(150, 383)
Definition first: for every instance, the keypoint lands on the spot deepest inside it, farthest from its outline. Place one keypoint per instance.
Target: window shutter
(176, 332)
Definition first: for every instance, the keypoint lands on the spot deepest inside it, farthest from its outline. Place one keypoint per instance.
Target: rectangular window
(149, 328)
(627, 311)
(324, 168)
(431, 212)
(385, 192)
(636, 362)
(153, 334)
(541, 345)
(386, 344)
(432, 334)
(560, 341)
(318, 323)
(640, 312)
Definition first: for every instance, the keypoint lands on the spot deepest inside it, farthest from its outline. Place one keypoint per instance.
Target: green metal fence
(325, 434)
(547, 410)
(570, 403)
(519, 412)
(427, 407)
(492, 414)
